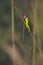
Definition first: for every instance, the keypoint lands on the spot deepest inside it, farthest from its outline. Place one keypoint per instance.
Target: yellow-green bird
(26, 19)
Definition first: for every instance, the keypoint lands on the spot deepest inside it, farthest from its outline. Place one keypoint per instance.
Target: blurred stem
(12, 18)
(34, 30)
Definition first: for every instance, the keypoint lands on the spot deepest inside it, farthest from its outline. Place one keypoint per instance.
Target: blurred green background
(24, 6)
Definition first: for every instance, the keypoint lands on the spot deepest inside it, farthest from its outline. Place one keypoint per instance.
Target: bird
(27, 21)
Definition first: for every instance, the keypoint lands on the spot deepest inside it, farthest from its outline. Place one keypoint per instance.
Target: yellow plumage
(27, 23)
